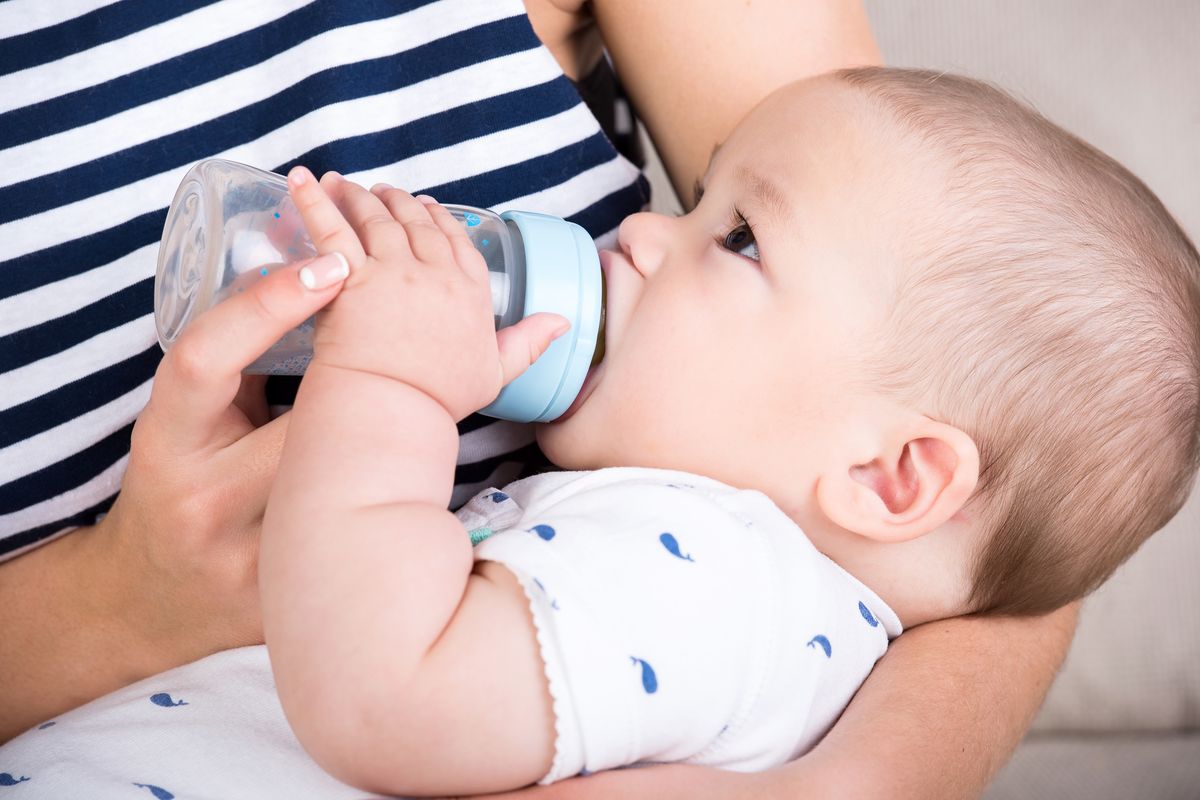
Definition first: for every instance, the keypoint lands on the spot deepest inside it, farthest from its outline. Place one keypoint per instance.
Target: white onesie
(679, 619)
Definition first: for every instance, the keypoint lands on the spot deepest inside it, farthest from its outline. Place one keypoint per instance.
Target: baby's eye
(741, 240)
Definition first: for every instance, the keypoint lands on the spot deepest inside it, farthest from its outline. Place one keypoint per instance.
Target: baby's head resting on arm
(958, 345)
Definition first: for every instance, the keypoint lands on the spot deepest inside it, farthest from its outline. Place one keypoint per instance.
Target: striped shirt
(104, 106)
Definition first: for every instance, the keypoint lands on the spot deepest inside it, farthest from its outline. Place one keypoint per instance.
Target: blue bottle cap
(562, 275)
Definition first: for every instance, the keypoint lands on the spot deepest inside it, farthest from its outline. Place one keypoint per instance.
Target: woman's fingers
(326, 226)
(256, 456)
(200, 376)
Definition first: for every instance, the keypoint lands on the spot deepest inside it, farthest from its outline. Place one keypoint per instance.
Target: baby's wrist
(363, 382)
(338, 371)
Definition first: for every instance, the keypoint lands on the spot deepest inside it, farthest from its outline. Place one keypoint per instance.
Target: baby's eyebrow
(769, 196)
(765, 191)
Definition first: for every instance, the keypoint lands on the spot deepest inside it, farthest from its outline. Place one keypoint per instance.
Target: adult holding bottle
(103, 109)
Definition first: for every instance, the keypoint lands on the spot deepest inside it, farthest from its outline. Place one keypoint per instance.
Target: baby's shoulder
(631, 491)
(671, 502)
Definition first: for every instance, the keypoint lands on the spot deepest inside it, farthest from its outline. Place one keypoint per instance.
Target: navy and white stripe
(103, 108)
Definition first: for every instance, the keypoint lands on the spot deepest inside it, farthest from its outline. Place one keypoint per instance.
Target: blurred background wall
(1123, 718)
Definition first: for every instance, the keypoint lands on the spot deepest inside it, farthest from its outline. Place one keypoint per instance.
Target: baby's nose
(645, 239)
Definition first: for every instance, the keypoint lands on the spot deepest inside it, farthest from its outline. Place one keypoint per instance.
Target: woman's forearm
(725, 57)
(63, 644)
(941, 712)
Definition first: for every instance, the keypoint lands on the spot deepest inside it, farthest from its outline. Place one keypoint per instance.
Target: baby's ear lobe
(919, 479)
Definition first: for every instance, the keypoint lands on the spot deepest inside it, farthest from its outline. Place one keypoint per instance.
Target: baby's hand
(417, 306)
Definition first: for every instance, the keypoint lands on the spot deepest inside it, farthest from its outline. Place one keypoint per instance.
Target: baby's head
(959, 346)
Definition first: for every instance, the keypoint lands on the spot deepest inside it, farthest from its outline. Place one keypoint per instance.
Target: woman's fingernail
(323, 272)
(426, 199)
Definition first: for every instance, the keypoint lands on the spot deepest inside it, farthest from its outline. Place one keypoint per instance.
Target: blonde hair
(1058, 324)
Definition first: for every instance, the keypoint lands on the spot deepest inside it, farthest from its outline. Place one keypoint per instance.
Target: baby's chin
(567, 444)
(559, 441)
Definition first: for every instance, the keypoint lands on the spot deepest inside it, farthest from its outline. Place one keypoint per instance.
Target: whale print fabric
(210, 729)
(678, 618)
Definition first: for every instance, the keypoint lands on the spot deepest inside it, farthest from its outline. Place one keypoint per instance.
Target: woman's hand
(170, 575)
(185, 526)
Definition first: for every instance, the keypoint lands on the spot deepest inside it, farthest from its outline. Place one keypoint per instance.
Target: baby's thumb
(522, 344)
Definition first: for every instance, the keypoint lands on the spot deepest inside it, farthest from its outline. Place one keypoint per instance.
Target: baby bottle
(231, 224)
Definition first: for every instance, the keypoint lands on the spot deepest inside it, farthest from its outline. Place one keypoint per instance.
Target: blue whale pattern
(823, 642)
(553, 601)
(649, 679)
(9, 780)
(669, 542)
(163, 699)
(867, 615)
(157, 791)
(544, 531)
(498, 497)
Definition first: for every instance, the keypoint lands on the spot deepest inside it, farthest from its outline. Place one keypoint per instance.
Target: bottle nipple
(599, 354)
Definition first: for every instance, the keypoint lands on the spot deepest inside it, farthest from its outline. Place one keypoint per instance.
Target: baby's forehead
(821, 103)
(825, 128)
(825, 143)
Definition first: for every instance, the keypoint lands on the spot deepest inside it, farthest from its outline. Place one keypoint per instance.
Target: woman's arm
(936, 719)
(944, 709)
(170, 575)
(693, 70)
(65, 638)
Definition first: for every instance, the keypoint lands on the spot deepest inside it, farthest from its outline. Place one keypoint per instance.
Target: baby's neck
(923, 580)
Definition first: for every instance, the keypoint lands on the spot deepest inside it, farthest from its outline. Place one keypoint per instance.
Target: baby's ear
(920, 477)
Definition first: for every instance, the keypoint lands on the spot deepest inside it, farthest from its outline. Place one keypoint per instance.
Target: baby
(915, 353)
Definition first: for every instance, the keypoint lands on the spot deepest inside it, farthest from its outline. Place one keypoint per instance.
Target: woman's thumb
(202, 372)
(522, 344)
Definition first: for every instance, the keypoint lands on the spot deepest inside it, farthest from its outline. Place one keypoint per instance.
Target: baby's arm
(401, 668)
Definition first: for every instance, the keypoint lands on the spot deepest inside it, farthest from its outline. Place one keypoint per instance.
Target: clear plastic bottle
(231, 224)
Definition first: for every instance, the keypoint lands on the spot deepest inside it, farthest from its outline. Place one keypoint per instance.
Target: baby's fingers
(427, 241)
(465, 253)
(522, 344)
(326, 226)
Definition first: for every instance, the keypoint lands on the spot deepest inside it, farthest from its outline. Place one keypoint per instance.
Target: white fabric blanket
(129, 744)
